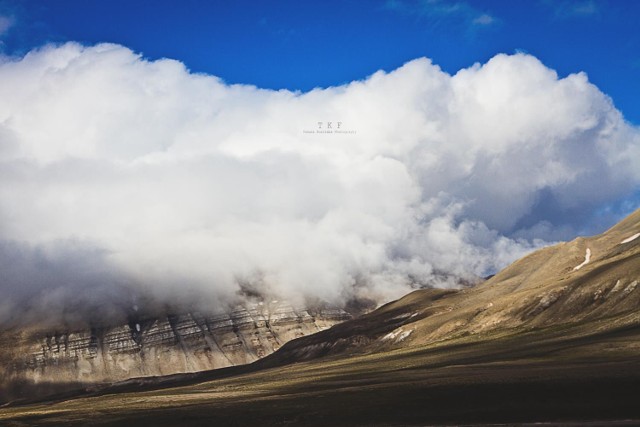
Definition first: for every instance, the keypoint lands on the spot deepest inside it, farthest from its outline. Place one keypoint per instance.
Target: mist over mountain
(123, 177)
(555, 334)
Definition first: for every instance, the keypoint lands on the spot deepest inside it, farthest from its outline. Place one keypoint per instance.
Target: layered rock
(171, 344)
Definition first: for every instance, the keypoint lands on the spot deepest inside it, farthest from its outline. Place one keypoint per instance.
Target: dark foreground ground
(557, 377)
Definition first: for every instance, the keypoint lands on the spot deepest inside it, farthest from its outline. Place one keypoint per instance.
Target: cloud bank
(121, 177)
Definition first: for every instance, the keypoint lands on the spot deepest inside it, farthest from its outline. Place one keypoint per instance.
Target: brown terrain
(38, 360)
(553, 339)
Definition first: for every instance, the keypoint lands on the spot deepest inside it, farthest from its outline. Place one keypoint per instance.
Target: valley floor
(560, 376)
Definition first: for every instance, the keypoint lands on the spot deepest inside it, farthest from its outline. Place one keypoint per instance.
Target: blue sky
(300, 45)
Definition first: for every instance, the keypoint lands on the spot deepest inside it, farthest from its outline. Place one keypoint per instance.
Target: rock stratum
(34, 360)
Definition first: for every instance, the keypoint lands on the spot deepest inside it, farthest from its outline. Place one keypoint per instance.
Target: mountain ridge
(552, 338)
(548, 287)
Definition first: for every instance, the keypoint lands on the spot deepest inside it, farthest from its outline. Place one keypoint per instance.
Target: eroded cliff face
(164, 345)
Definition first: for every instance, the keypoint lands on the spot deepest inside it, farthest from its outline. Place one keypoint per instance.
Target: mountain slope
(550, 287)
(553, 338)
(40, 359)
(555, 376)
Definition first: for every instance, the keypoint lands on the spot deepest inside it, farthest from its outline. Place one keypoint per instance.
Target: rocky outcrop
(171, 344)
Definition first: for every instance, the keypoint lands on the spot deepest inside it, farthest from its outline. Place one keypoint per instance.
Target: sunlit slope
(586, 281)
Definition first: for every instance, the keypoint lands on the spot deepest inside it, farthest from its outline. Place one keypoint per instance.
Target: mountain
(40, 360)
(589, 282)
(554, 339)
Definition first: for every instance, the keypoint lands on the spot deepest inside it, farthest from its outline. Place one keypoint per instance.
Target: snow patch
(630, 239)
(404, 334)
(630, 288)
(397, 335)
(138, 327)
(617, 287)
(587, 258)
(392, 335)
(401, 316)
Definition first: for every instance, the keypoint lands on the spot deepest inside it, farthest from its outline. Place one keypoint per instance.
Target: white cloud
(484, 19)
(178, 183)
(438, 10)
(573, 8)
(585, 8)
(5, 24)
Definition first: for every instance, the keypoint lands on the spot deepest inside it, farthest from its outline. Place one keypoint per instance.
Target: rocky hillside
(171, 344)
(588, 284)
(585, 286)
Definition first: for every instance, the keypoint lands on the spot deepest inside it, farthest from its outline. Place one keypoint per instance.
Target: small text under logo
(329, 127)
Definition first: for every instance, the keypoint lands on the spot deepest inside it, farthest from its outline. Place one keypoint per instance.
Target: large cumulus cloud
(122, 173)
